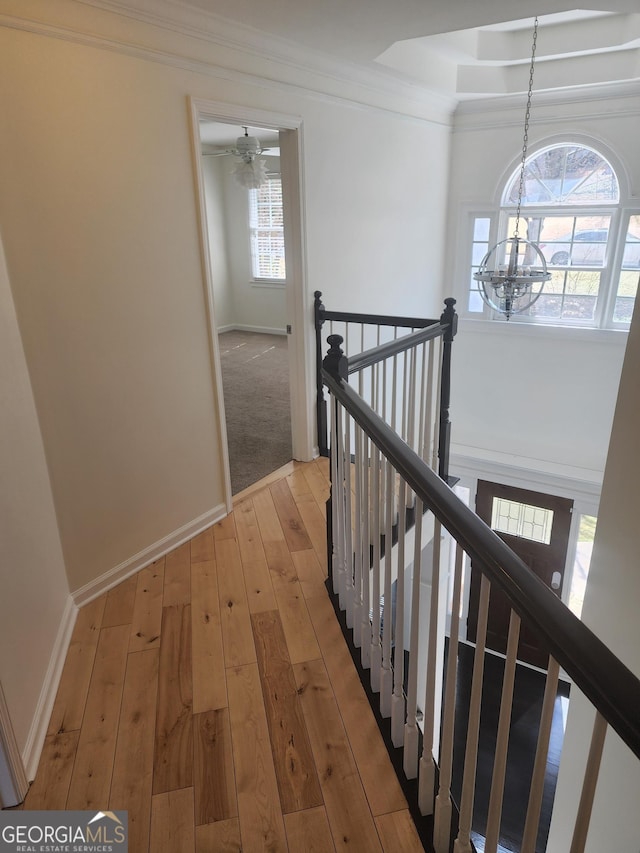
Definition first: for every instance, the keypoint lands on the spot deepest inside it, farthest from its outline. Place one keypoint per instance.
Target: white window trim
(268, 282)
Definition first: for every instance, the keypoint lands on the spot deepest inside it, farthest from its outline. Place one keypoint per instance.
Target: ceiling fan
(247, 148)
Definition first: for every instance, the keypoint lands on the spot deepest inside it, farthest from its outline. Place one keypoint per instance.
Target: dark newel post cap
(318, 309)
(450, 317)
(335, 361)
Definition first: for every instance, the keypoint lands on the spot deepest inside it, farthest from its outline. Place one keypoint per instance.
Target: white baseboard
(263, 330)
(40, 723)
(37, 732)
(112, 577)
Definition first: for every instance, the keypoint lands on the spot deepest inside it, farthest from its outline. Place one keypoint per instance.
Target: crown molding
(413, 112)
(373, 81)
(598, 100)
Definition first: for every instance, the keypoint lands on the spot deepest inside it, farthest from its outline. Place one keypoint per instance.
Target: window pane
(546, 307)
(267, 235)
(523, 520)
(629, 274)
(631, 257)
(475, 302)
(569, 295)
(628, 284)
(623, 309)
(565, 174)
(481, 228)
(479, 248)
(574, 240)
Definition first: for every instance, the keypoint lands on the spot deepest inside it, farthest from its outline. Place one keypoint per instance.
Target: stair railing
(369, 459)
(403, 367)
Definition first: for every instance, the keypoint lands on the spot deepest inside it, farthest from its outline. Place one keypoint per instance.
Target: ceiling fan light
(248, 145)
(250, 173)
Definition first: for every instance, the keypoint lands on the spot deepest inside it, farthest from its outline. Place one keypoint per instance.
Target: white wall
(376, 194)
(99, 214)
(212, 172)
(35, 591)
(238, 301)
(256, 306)
(611, 611)
(542, 398)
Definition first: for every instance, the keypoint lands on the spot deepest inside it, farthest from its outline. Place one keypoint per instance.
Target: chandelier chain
(525, 139)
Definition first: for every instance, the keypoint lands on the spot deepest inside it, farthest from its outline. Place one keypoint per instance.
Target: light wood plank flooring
(213, 697)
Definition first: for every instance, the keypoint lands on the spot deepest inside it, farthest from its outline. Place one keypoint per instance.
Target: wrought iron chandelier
(512, 274)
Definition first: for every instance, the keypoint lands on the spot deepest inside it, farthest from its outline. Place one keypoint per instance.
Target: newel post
(336, 364)
(321, 403)
(450, 318)
(335, 361)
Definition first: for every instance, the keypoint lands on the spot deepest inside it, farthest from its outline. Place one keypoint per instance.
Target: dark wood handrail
(610, 686)
(374, 319)
(390, 348)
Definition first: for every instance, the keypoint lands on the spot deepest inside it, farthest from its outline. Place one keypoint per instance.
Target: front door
(536, 527)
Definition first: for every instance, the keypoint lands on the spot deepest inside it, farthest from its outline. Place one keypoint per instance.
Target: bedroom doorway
(256, 319)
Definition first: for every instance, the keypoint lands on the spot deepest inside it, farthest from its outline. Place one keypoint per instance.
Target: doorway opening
(255, 378)
(252, 258)
(536, 527)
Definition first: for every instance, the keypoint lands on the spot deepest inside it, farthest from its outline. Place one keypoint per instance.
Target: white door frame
(13, 778)
(298, 301)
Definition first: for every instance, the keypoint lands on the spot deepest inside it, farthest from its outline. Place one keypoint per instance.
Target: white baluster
(442, 813)
(397, 700)
(394, 416)
(423, 399)
(411, 414)
(335, 498)
(376, 649)
(463, 841)
(494, 813)
(340, 497)
(405, 396)
(540, 764)
(589, 785)
(348, 526)
(386, 675)
(358, 562)
(436, 416)
(365, 622)
(429, 423)
(427, 764)
(410, 754)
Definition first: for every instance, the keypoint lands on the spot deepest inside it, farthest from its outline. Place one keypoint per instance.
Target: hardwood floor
(212, 697)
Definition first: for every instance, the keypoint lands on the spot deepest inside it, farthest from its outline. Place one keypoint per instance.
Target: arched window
(571, 207)
(564, 175)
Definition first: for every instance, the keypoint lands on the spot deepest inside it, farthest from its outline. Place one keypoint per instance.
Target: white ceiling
(216, 135)
(460, 49)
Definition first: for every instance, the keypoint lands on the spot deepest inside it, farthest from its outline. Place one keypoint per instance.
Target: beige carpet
(255, 376)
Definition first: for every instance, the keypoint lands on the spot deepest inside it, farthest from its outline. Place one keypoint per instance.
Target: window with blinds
(266, 229)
